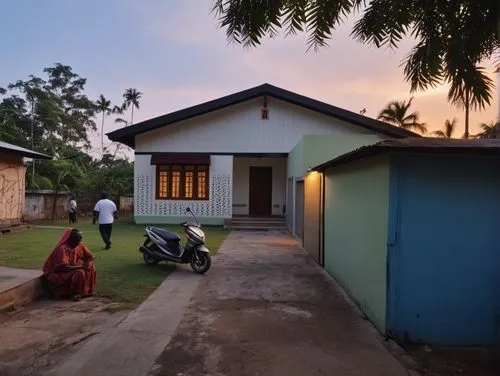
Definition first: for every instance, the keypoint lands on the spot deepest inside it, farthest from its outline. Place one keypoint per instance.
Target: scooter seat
(164, 234)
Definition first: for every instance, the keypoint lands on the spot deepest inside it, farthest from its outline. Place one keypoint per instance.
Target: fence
(45, 204)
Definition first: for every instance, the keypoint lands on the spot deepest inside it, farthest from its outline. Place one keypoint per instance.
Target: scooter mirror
(188, 209)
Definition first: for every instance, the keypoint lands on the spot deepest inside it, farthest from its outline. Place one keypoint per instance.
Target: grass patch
(122, 274)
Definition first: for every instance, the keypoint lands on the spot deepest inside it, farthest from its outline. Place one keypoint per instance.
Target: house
(12, 185)
(411, 233)
(230, 157)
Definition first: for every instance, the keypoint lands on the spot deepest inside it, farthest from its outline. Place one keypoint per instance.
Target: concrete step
(259, 219)
(19, 287)
(257, 228)
(5, 230)
(258, 224)
(255, 223)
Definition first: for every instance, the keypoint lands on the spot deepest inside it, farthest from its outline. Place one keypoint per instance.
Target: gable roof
(127, 135)
(481, 147)
(18, 150)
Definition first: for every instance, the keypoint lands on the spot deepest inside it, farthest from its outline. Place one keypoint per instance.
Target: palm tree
(488, 130)
(464, 94)
(118, 145)
(131, 97)
(447, 131)
(396, 113)
(103, 107)
(444, 49)
(121, 121)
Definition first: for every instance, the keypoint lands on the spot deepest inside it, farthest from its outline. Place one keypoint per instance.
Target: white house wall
(240, 129)
(213, 211)
(241, 183)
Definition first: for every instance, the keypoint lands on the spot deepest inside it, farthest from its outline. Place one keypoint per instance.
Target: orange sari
(77, 281)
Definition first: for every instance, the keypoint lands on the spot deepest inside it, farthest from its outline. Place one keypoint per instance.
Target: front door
(261, 191)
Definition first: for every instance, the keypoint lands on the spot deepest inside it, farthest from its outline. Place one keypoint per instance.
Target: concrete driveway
(265, 308)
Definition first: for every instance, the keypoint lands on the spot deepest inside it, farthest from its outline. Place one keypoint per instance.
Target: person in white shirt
(105, 212)
(72, 210)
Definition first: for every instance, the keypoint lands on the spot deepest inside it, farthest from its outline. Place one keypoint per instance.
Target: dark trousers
(105, 231)
(72, 217)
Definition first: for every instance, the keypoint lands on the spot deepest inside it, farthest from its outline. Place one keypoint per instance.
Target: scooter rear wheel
(150, 260)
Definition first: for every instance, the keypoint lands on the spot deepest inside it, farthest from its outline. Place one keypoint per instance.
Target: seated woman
(69, 270)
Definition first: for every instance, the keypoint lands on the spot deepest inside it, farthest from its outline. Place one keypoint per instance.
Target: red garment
(78, 281)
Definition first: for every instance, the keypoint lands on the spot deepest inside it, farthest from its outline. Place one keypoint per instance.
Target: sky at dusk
(176, 55)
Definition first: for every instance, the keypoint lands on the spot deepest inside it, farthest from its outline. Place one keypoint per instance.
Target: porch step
(258, 224)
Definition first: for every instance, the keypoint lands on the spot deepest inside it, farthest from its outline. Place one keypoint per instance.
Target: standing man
(105, 212)
(72, 210)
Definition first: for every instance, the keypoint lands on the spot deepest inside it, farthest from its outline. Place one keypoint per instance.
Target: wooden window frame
(182, 193)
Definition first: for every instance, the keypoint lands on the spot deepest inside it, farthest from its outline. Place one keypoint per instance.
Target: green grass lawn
(122, 274)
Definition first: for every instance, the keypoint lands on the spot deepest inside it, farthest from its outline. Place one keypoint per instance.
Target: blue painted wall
(444, 249)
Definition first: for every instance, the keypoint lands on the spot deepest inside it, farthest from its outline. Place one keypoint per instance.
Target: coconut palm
(131, 97)
(488, 130)
(103, 107)
(397, 113)
(447, 131)
(121, 121)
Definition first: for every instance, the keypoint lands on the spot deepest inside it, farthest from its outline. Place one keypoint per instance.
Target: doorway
(261, 191)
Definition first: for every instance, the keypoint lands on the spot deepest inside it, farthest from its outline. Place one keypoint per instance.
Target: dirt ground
(36, 338)
(452, 361)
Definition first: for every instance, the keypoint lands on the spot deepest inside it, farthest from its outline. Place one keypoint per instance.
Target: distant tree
(488, 131)
(104, 108)
(447, 131)
(397, 113)
(131, 99)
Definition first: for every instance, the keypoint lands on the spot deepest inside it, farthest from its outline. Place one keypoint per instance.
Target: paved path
(130, 347)
(266, 309)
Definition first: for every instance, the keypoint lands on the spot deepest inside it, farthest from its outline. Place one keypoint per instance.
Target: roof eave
(127, 135)
(32, 155)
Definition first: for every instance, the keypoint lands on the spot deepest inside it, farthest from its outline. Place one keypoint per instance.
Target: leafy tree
(54, 115)
(115, 176)
(488, 131)
(452, 37)
(397, 113)
(131, 99)
(104, 108)
(447, 131)
(14, 121)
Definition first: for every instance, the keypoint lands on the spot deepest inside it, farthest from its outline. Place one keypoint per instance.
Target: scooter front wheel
(150, 260)
(201, 262)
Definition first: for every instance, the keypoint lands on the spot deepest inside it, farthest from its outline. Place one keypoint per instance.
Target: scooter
(163, 245)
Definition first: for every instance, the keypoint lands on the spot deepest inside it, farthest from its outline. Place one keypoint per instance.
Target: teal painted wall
(295, 167)
(356, 232)
(313, 150)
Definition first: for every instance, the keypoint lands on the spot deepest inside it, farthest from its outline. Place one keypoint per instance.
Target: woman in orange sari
(69, 270)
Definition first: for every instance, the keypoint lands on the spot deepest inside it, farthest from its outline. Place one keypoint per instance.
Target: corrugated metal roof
(18, 150)
(421, 144)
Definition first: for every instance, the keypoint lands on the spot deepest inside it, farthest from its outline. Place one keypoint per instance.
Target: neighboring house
(411, 233)
(12, 185)
(230, 156)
